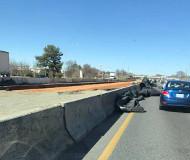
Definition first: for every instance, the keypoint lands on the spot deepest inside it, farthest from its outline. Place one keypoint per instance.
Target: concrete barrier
(40, 135)
(4, 78)
(83, 115)
(37, 80)
(21, 80)
(45, 134)
(108, 101)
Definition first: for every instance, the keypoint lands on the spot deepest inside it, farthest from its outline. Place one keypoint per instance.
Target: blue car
(175, 93)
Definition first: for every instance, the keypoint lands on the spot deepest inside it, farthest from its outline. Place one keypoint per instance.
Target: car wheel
(161, 107)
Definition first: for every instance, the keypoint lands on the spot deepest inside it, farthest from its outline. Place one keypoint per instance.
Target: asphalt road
(159, 135)
(153, 135)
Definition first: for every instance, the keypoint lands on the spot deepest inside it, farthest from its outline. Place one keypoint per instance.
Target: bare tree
(13, 66)
(123, 74)
(20, 69)
(89, 72)
(72, 69)
(180, 74)
(24, 69)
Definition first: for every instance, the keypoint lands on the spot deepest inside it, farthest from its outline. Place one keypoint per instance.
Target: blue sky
(142, 36)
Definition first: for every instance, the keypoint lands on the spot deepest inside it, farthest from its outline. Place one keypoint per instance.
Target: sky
(141, 36)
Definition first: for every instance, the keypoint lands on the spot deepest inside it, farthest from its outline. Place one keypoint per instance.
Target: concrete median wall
(83, 115)
(40, 135)
(21, 80)
(43, 135)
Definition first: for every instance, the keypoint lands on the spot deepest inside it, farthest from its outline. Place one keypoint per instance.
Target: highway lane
(156, 135)
(153, 135)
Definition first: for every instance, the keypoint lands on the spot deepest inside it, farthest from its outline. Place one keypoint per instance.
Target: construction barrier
(83, 115)
(44, 134)
(41, 135)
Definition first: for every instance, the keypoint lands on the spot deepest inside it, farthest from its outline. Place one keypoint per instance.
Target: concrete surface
(83, 115)
(40, 135)
(20, 80)
(108, 101)
(19, 103)
(42, 126)
(15, 104)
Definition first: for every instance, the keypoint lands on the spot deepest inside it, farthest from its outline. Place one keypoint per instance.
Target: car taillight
(164, 102)
(165, 93)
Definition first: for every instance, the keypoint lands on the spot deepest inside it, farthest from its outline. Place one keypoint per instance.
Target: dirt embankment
(83, 87)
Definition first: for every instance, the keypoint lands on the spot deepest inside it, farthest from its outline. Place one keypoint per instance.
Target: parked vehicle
(41, 76)
(4, 63)
(112, 75)
(175, 93)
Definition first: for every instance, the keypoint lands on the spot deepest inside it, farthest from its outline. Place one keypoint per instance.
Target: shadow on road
(178, 109)
(79, 150)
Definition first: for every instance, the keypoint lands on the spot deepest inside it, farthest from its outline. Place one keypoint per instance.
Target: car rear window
(178, 85)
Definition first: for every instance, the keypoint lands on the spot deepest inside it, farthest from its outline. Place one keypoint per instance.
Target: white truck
(112, 75)
(4, 63)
